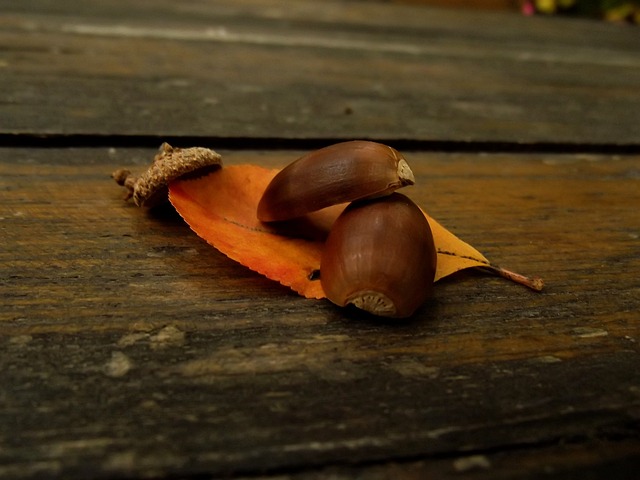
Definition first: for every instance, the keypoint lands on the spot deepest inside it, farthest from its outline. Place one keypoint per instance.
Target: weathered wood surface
(306, 70)
(130, 348)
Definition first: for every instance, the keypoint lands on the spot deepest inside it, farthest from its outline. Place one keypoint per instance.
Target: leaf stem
(534, 283)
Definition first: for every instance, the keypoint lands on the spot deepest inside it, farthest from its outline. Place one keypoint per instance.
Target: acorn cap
(152, 187)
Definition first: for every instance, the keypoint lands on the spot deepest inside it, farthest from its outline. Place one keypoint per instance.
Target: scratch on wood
(69, 447)
(131, 339)
(414, 368)
(169, 336)
(118, 366)
(473, 462)
(120, 461)
(586, 332)
(20, 340)
(546, 359)
(223, 35)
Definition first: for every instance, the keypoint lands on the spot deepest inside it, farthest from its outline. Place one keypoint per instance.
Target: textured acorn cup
(152, 187)
(380, 257)
(336, 174)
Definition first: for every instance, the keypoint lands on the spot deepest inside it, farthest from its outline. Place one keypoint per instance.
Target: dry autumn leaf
(292, 258)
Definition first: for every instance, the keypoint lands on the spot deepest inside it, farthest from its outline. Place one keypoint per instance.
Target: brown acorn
(339, 173)
(380, 257)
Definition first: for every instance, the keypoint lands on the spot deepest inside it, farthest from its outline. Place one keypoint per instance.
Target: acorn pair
(380, 254)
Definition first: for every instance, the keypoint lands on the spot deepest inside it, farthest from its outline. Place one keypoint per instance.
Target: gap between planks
(8, 140)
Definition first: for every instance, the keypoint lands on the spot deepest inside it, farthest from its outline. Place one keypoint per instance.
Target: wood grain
(314, 70)
(130, 348)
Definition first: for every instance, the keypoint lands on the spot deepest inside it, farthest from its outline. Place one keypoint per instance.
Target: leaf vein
(467, 257)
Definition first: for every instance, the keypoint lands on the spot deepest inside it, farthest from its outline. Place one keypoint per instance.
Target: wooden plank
(605, 460)
(130, 348)
(256, 69)
(473, 4)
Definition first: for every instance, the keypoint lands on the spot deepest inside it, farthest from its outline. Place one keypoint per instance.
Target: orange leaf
(453, 254)
(221, 208)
